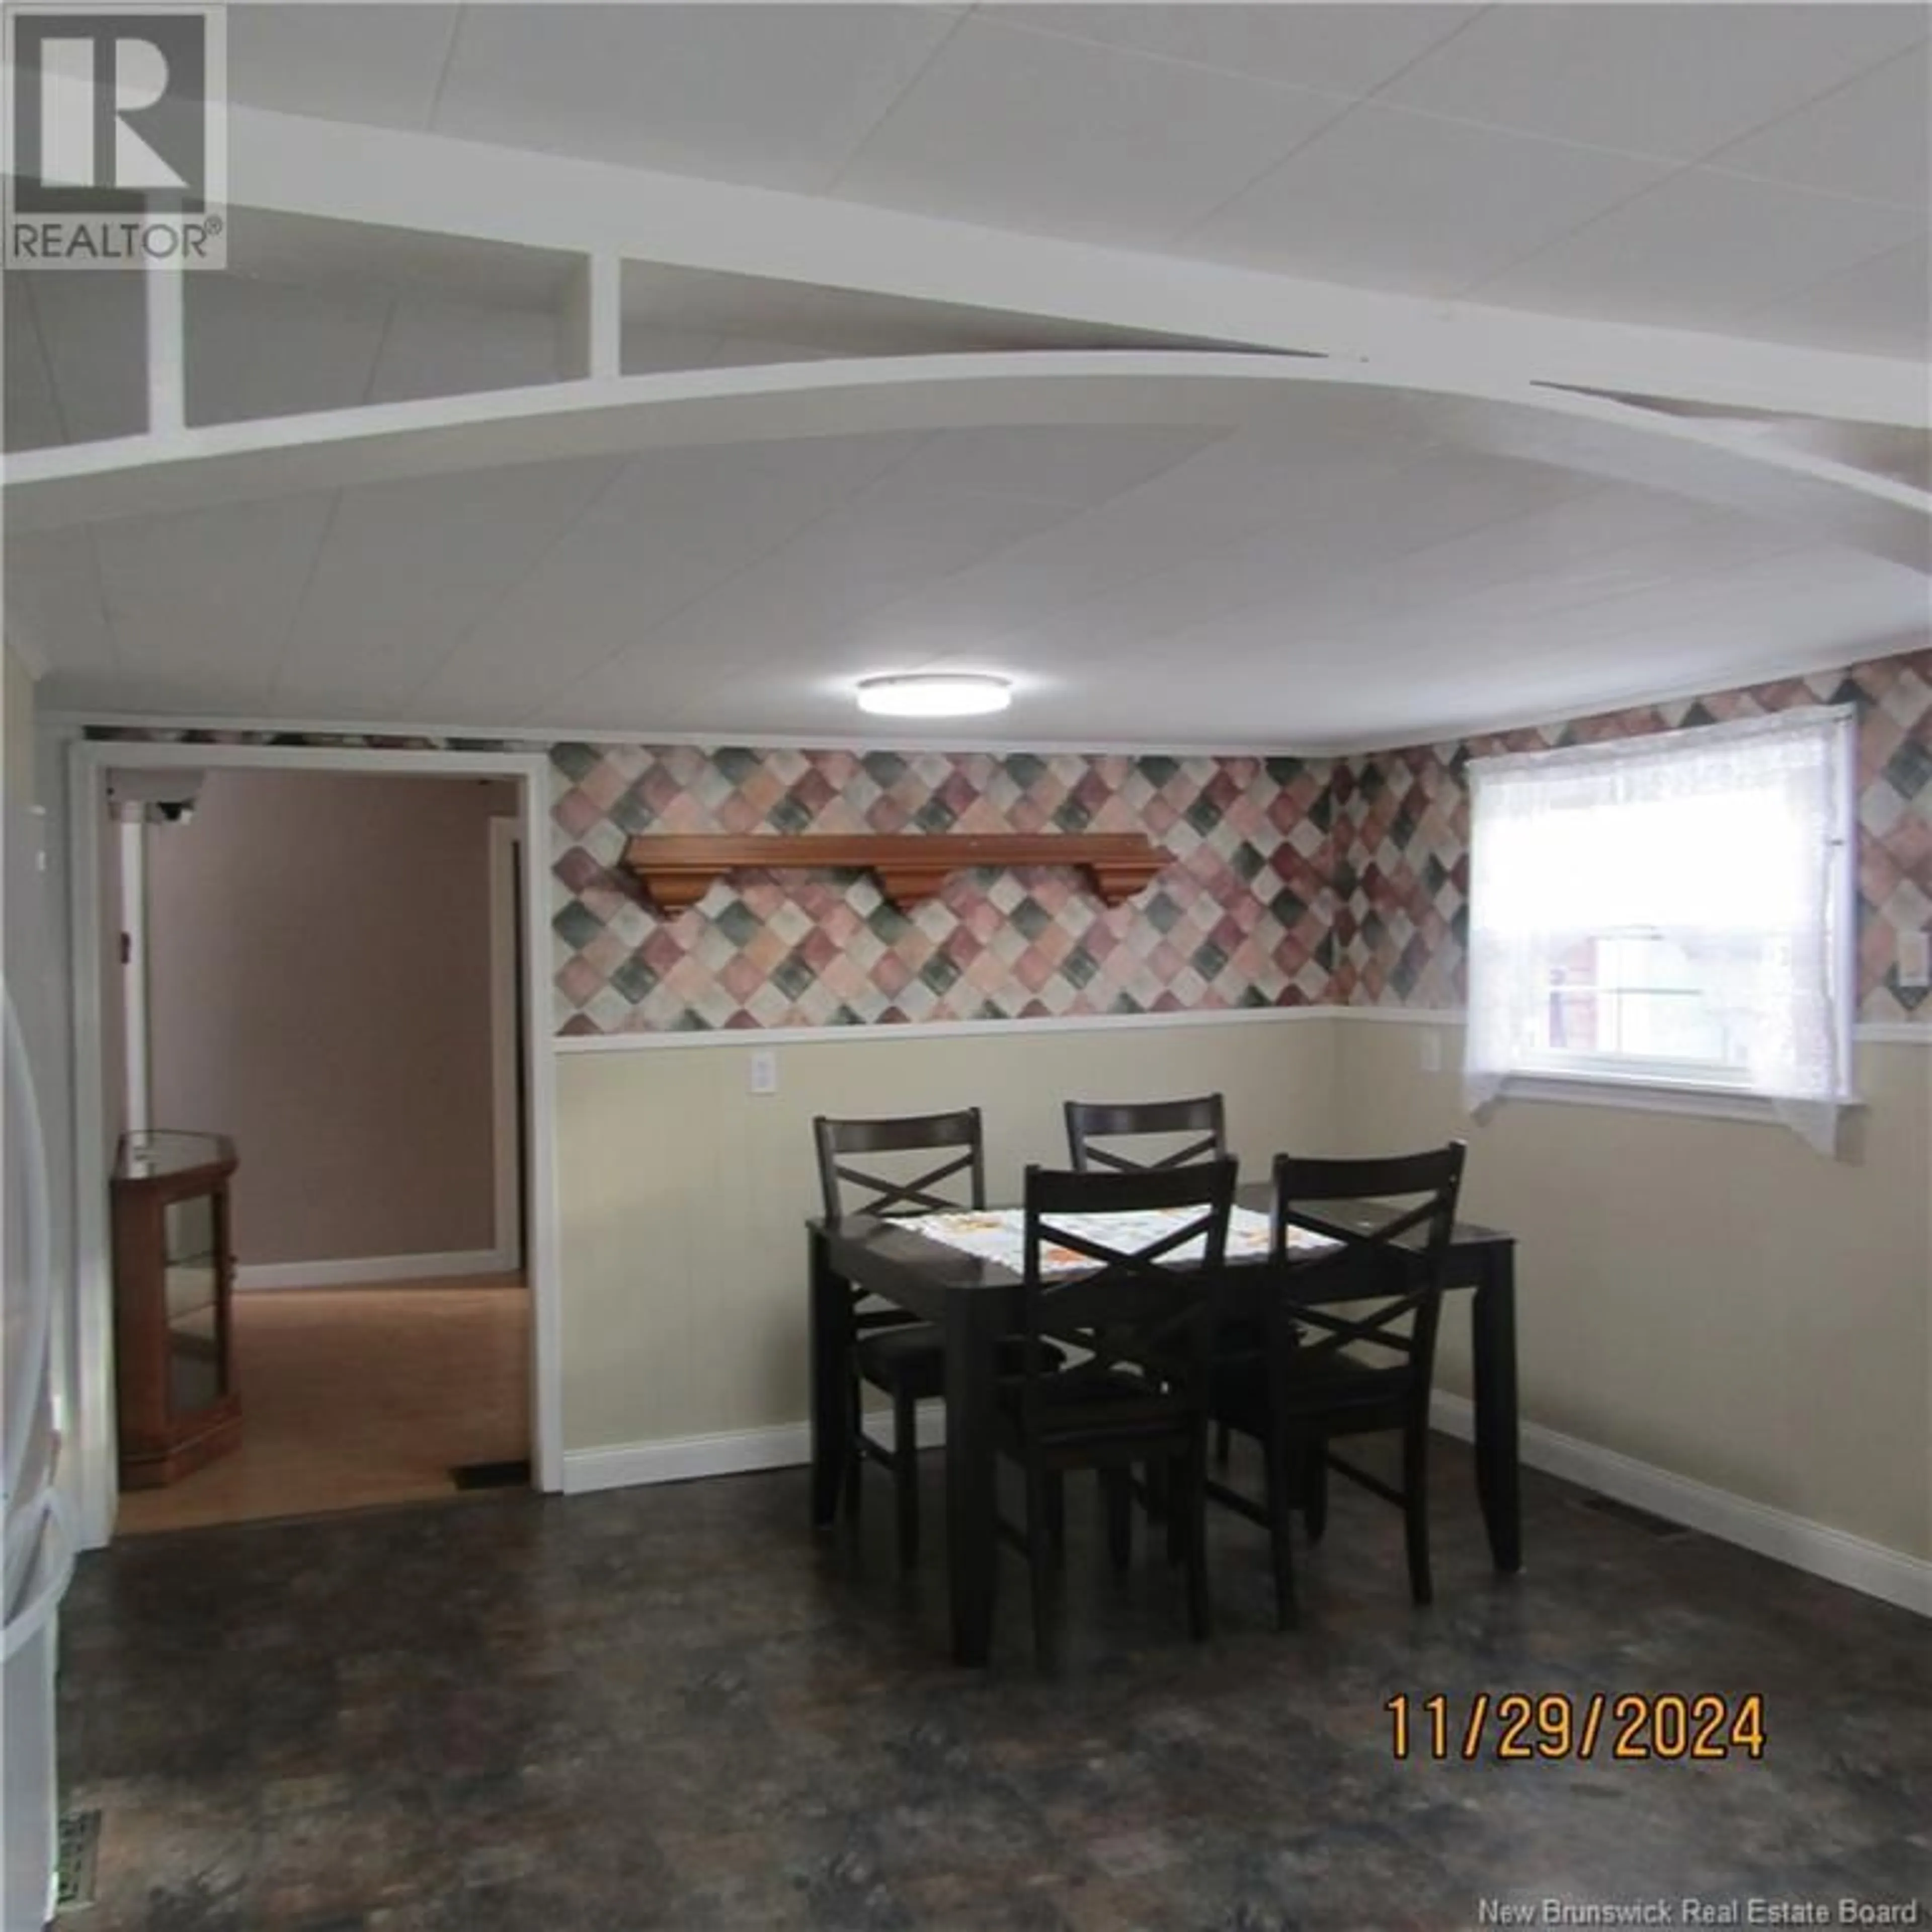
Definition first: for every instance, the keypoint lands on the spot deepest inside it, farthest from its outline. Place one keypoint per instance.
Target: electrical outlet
(764, 1072)
(1915, 959)
(1431, 1051)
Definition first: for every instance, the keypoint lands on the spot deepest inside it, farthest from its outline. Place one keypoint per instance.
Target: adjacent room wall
(320, 990)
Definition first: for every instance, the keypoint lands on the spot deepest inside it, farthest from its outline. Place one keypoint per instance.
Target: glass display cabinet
(174, 1279)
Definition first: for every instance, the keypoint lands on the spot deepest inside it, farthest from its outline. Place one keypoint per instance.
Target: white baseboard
(1833, 1554)
(357, 1271)
(683, 1458)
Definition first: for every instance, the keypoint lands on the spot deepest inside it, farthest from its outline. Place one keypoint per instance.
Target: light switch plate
(1915, 959)
(764, 1072)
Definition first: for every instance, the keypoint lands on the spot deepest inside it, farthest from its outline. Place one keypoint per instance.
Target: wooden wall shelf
(677, 870)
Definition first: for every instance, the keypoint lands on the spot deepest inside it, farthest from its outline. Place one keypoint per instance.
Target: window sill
(1648, 1095)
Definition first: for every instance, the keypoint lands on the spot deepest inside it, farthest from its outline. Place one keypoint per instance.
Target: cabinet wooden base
(154, 1468)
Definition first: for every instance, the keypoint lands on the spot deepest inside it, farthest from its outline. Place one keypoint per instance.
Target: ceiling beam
(590, 339)
(391, 178)
(196, 468)
(164, 349)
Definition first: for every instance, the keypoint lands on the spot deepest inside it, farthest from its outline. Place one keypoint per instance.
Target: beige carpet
(360, 1396)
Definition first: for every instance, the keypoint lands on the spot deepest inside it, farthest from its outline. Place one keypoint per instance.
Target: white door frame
(506, 835)
(133, 833)
(94, 1446)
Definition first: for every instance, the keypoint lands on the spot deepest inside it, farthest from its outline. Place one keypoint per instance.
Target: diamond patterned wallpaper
(1241, 918)
(1401, 834)
(1294, 882)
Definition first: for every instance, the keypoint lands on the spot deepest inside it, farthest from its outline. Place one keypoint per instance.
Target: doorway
(393, 1324)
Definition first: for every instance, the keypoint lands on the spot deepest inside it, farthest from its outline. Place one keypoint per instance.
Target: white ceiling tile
(586, 602)
(203, 694)
(1701, 251)
(651, 352)
(814, 590)
(1032, 132)
(1882, 307)
(210, 592)
(377, 64)
(1321, 538)
(307, 251)
(54, 607)
(257, 349)
(1566, 540)
(675, 525)
(774, 95)
(1073, 465)
(1677, 80)
(1523, 590)
(1808, 598)
(433, 348)
(805, 316)
(1345, 50)
(93, 332)
(1872, 137)
(1196, 512)
(1405, 201)
(32, 411)
(408, 566)
(734, 502)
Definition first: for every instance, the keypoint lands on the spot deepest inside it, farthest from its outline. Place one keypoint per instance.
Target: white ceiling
(1760, 169)
(1342, 577)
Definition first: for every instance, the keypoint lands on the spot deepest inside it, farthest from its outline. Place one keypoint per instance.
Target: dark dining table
(973, 1303)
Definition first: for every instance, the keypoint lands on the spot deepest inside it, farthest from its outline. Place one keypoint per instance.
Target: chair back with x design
(1363, 1317)
(879, 1192)
(1144, 1307)
(1089, 1122)
(913, 1163)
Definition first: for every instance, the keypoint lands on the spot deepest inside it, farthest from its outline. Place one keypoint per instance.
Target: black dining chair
(1117, 1359)
(1090, 1123)
(1348, 1345)
(893, 1350)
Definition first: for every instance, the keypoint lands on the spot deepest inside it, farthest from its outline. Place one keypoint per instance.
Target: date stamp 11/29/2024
(1522, 1726)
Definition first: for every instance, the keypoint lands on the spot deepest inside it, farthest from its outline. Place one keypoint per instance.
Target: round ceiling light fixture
(949, 694)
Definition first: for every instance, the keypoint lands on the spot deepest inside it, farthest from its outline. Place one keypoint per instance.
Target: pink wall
(320, 989)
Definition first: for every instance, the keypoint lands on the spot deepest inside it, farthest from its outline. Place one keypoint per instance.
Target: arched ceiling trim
(194, 469)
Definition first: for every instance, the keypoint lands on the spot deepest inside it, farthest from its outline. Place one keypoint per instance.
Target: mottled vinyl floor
(676, 1708)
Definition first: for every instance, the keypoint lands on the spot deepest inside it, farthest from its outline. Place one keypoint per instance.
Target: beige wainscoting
(1709, 1297)
(683, 1195)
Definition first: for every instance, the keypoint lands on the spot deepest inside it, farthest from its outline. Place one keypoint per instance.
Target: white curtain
(1732, 840)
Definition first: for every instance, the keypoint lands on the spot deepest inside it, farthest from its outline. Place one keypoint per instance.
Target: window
(1675, 910)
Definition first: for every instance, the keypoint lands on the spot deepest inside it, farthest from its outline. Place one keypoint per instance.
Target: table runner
(998, 1234)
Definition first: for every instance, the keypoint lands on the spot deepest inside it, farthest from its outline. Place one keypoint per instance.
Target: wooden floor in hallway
(356, 1396)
